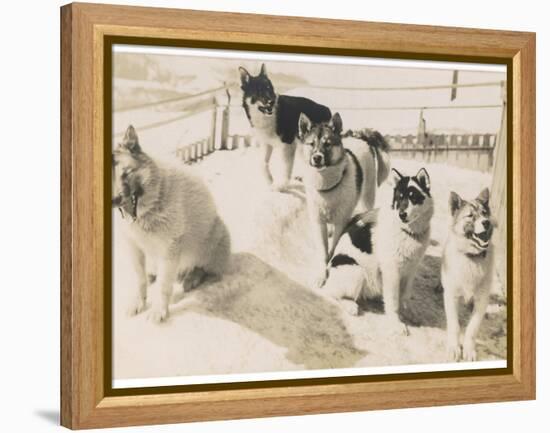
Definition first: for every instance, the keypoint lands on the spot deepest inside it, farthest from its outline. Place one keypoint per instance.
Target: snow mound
(261, 316)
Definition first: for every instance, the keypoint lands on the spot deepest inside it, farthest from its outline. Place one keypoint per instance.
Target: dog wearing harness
(342, 173)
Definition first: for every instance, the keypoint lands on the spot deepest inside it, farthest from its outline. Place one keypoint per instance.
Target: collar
(330, 177)
(415, 236)
(480, 255)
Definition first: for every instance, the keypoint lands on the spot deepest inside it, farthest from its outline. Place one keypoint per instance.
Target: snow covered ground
(262, 317)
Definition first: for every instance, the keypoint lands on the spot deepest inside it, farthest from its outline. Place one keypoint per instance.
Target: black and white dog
(274, 120)
(380, 251)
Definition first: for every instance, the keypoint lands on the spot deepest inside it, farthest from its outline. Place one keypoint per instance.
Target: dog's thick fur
(170, 220)
(274, 120)
(467, 270)
(341, 174)
(380, 252)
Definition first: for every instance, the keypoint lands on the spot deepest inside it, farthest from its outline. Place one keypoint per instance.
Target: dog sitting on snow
(467, 269)
(380, 251)
(341, 173)
(171, 223)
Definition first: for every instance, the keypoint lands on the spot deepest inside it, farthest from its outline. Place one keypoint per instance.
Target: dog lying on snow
(341, 174)
(171, 223)
(380, 251)
(467, 269)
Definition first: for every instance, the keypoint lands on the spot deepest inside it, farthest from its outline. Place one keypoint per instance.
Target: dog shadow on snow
(426, 309)
(262, 299)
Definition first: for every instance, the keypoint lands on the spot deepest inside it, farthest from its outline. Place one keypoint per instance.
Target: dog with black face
(173, 230)
(274, 121)
(341, 176)
(467, 270)
(380, 251)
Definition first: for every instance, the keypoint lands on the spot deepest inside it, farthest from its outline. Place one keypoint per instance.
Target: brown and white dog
(467, 270)
(341, 174)
(170, 220)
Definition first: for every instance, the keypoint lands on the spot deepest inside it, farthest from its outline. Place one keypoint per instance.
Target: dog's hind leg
(219, 250)
(338, 230)
(193, 278)
(367, 197)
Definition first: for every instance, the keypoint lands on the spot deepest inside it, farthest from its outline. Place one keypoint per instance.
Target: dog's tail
(379, 145)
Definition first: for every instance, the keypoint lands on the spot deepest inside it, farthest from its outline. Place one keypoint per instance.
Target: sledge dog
(171, 223)
(467, 269)
(274, 120)
(341, 173)
(380, 251)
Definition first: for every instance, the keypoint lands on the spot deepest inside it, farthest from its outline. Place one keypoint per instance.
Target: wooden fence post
(499, 202)
(421, 129)
(221, 119)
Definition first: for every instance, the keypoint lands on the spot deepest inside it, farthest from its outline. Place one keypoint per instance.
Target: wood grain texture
(67, 386)
(84, 403)
(524, 219)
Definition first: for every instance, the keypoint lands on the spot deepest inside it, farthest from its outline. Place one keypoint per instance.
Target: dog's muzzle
(317, 160)
(126, 207)
(481, 239)
(267, 108)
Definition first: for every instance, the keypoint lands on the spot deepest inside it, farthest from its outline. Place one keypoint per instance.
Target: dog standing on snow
(274, 120)
(170, 220)
(341, 173)
(467, 269)
(380, 252)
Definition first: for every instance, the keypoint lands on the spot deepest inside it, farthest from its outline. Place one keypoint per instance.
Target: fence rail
(410, 88)
(464, 150)
(467, 150)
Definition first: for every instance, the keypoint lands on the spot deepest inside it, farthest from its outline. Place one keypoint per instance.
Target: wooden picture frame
(87, 400)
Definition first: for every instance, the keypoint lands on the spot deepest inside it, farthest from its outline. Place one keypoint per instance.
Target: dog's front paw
(137, 306)
(350, 307)
(396, 328)
(279, 186)
(469, 351)
(454, 351)
(158, 314)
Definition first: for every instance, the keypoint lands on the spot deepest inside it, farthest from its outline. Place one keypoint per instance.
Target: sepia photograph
(282, 216)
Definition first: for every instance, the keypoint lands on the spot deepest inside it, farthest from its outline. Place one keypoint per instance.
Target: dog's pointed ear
(394, 177)
(130, 141)
(245, 76)
(455, 202)
(304, 126)
(336, 123)
(263, 70)
(483, 197)
(423, 179)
